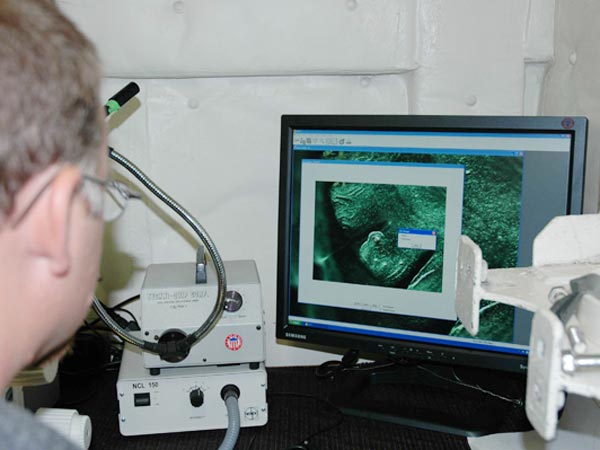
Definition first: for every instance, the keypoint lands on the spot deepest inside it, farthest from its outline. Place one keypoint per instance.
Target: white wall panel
(192, 38)
(471, 57)
(572, 86)
(538, 36)
(539, 51)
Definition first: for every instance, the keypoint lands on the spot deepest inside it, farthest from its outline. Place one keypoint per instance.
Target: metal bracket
(200, 265)
(563, 279)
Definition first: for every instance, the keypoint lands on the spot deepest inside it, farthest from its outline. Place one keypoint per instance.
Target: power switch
(141, 399)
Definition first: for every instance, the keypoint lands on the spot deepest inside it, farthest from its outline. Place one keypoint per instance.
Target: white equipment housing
(187, 398)
(173, 302)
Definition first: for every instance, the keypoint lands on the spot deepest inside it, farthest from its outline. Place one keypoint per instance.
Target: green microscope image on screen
(357, 225)
(356, 234)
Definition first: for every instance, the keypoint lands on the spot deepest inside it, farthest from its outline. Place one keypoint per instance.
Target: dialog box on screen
(417, 239)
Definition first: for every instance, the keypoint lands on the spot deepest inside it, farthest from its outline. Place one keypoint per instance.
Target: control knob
(197, 397)
(233, 301)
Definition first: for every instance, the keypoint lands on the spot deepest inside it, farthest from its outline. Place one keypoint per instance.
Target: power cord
(475, 387)
(349, 363)
(96, 350)
(306, 443)
(129, 325)
(82, 369)
(132, 325)
(126, 302)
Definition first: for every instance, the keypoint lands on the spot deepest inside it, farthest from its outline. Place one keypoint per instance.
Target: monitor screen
(371, 209)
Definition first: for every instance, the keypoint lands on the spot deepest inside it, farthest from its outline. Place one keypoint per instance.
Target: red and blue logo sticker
(233, 342)
(568, 123)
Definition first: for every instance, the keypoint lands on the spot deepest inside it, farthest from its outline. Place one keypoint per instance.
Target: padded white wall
(573, 82)
(216, 76)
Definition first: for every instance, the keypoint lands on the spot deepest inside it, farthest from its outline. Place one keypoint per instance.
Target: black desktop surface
(296, 410)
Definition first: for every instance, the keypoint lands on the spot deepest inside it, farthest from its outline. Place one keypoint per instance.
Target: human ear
(49, 224)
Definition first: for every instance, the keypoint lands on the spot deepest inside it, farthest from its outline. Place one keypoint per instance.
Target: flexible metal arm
(217, 311)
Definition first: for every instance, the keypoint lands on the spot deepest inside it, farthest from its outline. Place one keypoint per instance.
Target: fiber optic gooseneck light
(177, 349)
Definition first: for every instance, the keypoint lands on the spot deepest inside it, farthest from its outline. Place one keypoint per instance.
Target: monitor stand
(434, 397)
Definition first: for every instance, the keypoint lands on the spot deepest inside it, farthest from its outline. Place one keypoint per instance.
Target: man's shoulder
(19, 430)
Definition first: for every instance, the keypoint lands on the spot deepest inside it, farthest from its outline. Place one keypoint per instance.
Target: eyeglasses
(107, 201)
(113, 199)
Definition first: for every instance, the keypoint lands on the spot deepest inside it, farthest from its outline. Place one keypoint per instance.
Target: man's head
(51, 132)
(49, 82)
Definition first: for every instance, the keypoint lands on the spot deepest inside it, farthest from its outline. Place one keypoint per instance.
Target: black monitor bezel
(386, 347)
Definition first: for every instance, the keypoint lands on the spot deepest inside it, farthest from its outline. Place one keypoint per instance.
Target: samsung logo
(296, 336)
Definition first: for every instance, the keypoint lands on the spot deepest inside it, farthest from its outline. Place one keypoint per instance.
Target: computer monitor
(370, 212)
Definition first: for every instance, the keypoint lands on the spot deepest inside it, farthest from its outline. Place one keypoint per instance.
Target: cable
(84, 398)
(106, 342)
(133, 319)
(126, 301)
(475, 387)
(91, 370)
(251, 443)
(118, 306)
(334, 425)
(331, 368)
(94, 353)
(230, 395)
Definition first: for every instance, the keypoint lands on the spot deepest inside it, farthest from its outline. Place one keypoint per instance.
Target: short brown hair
(49, 80)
